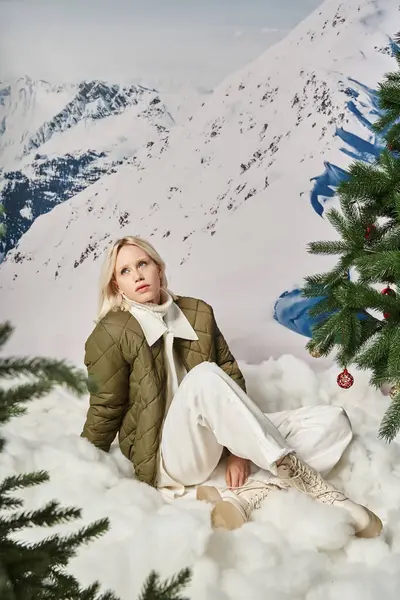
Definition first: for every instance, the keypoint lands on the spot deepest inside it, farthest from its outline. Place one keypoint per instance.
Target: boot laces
(309, 482)
(260, 491)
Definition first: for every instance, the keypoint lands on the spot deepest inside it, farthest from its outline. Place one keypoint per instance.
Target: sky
(164, 43)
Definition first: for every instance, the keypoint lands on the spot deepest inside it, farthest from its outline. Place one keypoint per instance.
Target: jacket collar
(154, 326)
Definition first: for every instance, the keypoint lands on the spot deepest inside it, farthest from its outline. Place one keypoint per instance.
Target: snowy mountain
(57, 140)
(231, 203)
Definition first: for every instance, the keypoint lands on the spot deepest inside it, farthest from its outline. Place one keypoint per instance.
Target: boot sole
(224, 515)
(208, 493)
(374, 527)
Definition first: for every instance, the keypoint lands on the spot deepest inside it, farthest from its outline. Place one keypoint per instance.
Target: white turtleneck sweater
(166, 320)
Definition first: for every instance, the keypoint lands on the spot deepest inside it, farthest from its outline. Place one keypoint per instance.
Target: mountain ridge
(228, 200)
(50, 154)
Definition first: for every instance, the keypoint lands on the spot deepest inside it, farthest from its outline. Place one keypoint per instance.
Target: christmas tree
(357, 303)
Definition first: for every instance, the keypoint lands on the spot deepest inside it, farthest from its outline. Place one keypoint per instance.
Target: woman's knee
(205, 375)
(204, 369)
(342, 421)
(329, 419)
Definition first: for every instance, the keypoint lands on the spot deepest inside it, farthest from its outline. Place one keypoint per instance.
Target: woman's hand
(237, 471)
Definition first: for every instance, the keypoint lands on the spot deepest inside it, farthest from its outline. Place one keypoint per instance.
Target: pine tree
(369, 225)
(37, 571)
(154, 590)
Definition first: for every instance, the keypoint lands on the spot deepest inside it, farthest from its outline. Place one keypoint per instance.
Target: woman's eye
(142, 263)
(124, 271)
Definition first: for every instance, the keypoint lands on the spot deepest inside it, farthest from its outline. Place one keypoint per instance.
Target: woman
(167, 383)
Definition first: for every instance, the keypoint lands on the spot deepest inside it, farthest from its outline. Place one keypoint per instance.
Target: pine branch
(382, 266)
(396, 202)
(324, 331)
(393, 77)
(391, 421)
(370, 326)
(375, 351)
(384, 121)
(324, 347)
(7, 413)
(351, 211)
(55, 584)
(337, 247)
(25, 392)
(337, 220)
(5, 332)
(393, 135)
(389, 97)
(16, 482)
(388, 241)
(389, 163)
(323, 307)
(48, 516)
(8, 503)
(366, 181)
(56, 371)
(153, 590)
(91, 592)
(324, 284)
(393, 360)
(348, 335)
(62, 549)
(315, 286)
(379, 374)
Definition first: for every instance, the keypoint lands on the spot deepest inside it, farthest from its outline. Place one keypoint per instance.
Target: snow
(237, 240)
(293, 548)
(25, 106)
(26, 212)
(86, 130)
(57, 120)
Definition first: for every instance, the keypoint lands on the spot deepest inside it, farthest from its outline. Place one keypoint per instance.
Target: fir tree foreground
(37, 571)
(353, 318)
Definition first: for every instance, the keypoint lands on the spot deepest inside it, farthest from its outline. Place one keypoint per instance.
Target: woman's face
(137, 275)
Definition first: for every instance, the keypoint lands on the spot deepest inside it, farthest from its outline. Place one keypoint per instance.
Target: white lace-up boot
(232, 508)
(302, 477)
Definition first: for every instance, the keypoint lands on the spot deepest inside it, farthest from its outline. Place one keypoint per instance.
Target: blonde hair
(110, 298)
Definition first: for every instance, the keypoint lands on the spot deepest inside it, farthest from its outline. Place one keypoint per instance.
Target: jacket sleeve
(109, 376)
(225, 359)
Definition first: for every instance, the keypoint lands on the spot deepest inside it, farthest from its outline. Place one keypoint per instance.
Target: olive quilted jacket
(130, 380)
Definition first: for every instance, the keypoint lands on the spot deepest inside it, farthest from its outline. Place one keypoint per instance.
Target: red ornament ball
(345, 379)
(369, 232)
(389, 292)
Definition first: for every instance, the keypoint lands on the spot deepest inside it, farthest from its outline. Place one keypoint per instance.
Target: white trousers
(210, 411)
